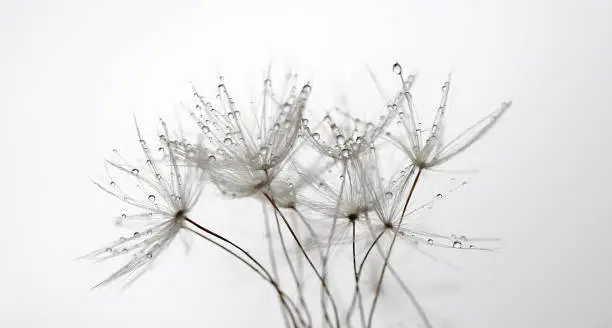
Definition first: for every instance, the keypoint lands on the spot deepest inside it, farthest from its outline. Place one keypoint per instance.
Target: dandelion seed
(254, 155)
(162, 221)
(426, 151)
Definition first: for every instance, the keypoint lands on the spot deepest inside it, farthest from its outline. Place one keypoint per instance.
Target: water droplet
(212, 158)
(112, 183)
(276, 126)
(340, 139)
(430, 241)
(305, 121)
(341, 177)
(439, 196)
(205, 129)
(316, 136)
(152, 198)
(397, 68)
(388, 195)
(457, 244)
(135, 171)
(123, 216)
(150, 255)
(122, 239)
(345, 153)
(227, 141)
(136, 234)
(307, 88)
(472, 246)
(268, 83)
(149, 231)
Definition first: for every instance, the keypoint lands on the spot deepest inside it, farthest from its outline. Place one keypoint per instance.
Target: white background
(72, 73)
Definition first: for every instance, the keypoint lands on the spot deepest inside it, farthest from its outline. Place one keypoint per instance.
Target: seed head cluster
(325, 185)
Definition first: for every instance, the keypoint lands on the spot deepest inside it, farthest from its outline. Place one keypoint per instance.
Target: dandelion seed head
(254, 150)
(426, 151)
(165, 204)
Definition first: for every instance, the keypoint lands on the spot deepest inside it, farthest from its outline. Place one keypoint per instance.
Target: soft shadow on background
(72, 73)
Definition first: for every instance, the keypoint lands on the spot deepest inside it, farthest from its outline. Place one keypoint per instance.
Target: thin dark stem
(311, 231)
(271, 251)
(354, 258)
(357, 293)
(300, 261)
(297, 240)
(382, 273)
(314, 237)
(413, 299)
(292, 269)
(332, 232)
(283, 297)
(357, 290)
(365, 257)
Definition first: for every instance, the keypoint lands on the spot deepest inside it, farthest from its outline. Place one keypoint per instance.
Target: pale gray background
(73, 72)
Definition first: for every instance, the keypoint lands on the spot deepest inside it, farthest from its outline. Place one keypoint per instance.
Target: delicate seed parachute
(243, 158)
(168, 191)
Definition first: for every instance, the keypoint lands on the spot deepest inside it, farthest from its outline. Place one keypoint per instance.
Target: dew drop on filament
(152, 198)
(457, 244)
(135, 171)
(397, 68)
